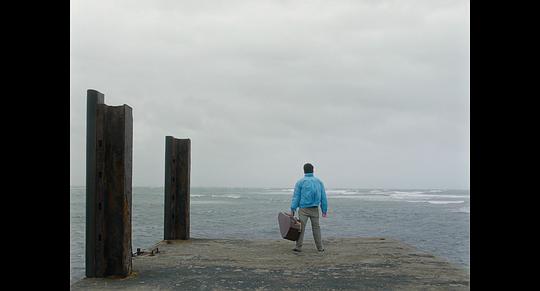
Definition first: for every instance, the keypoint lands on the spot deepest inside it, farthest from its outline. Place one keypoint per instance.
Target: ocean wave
(210, 202)
(275, 192)
(378, 190)
(421, 199)
(407, 192)
(446, 202)
(463, 210)
(436, 201)
(227, 196)
(346, 197)
(361, 197)
(233, 196)
(415, 196)
(346, 192)
(404, 195)
(329, 191)
(197, 195)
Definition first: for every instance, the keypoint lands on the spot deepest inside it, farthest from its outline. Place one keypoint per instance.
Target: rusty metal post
(177, 188)
(93, 99)
(108, 188)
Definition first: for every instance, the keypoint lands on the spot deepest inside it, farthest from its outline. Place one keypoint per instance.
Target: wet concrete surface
(346, 264)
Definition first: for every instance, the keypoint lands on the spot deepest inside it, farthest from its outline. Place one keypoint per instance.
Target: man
(308, 194)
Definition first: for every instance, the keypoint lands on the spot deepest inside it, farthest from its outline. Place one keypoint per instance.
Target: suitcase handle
(296, 220)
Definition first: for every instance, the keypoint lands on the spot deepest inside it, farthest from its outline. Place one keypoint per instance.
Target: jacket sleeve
(324, 202)
(296, 196)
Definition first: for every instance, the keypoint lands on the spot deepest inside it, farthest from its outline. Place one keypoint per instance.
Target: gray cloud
(374, 93)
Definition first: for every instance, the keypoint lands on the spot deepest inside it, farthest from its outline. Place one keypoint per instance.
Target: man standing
(309, 193)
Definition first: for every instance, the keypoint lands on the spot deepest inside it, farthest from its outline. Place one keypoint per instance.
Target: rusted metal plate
(177, 188)
(93, 99)
(109, 197)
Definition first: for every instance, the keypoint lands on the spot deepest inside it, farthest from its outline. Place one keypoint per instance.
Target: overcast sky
(374, 94)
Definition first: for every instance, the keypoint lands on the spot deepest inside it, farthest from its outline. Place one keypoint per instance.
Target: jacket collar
(308, 174)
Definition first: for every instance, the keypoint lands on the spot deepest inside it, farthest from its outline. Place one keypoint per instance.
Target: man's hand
(324, 215)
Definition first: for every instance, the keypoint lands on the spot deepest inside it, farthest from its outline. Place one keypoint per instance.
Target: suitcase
(289, 226)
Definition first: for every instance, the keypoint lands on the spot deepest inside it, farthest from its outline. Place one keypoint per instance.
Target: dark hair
(308, 168)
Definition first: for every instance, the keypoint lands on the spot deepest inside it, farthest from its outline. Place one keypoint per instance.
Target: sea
(433, 220)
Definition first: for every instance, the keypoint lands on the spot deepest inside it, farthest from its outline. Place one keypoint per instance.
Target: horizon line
(288, 187)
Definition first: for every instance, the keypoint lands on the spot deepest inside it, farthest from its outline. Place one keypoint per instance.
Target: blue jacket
(309, 191)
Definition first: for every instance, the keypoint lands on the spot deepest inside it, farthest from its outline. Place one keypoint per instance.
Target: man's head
(308, 168)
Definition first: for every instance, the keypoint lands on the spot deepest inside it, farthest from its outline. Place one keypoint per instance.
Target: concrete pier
(347, 264)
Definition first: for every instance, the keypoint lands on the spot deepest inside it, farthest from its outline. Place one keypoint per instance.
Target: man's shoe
(320, 251)
(297, 250)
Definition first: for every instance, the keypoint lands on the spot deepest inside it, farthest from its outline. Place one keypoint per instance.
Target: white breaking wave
(436, 201)
(404, 195)
(446, 202)
(463, 210)
(345, 192)
(233, 196)
(408, 192)
(227, 196)
(328, 191)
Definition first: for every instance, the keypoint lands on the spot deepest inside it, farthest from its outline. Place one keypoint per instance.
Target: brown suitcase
(289, 226)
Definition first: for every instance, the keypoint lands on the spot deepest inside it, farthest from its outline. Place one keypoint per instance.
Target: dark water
(432, 220)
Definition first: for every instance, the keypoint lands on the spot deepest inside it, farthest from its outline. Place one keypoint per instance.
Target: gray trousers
(313, 215)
